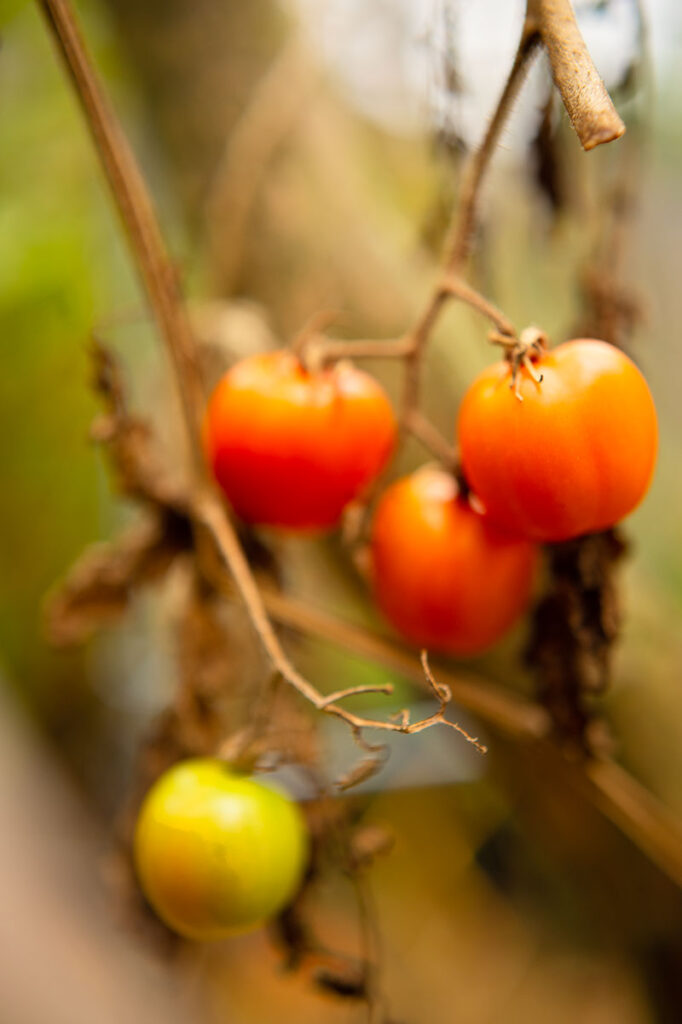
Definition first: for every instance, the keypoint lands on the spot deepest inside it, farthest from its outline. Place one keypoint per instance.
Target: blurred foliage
(64, 271)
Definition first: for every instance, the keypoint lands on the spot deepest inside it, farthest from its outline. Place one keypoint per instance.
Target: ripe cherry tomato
(575, 456)
(441, 573)
(217, 852)
(291, 448)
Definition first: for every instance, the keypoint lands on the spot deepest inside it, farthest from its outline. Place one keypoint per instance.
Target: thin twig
(210, 513)
(321, 349)
(444, 694)
(355, 691)
(459, 289)
(313, 328)
(424, 431)
(506, 712)
(462, 232)
(371, 942)
(451, 285)
(420, 335)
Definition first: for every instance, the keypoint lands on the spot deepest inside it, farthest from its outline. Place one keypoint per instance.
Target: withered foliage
(612, 309)
(343, 843)
(574, 626)
(547, 160)
(99, 587)
(215, 709)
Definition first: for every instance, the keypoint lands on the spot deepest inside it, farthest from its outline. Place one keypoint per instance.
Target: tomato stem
(521, 351)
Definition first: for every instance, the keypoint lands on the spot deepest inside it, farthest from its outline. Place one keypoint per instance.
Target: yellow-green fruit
(217, 852)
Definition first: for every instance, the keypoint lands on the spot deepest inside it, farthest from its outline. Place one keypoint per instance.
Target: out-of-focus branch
(464, 225)
(423, 430)
(456, 288)
(638, 814)
(587, 102)
(137, 214)
(274, 107)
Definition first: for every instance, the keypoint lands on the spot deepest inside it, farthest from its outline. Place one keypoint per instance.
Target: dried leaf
(548, 162)
(99, 586)
(612, 310)
(208, 644)
(129, 440)
(362, 770)
(348, 980)
(574, 627)
(369, 842)
(291, 730)
(292, 931)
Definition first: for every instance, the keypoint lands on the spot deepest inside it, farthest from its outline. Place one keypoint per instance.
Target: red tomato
(441, 573)
(291, 448)
(575, 456)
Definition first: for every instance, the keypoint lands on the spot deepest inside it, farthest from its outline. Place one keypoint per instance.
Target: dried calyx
(530, 345)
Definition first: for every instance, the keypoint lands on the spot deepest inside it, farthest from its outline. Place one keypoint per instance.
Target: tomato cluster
(570, 449)
(217, 852)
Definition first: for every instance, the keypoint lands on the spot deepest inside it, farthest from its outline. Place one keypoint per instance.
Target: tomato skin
(291, 448)
(216, 852)
(441, 574)
(575, 456)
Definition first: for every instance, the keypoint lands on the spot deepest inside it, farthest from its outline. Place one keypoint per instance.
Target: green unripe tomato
(217, 852)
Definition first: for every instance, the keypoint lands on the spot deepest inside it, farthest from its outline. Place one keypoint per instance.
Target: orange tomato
(291, 448)
(575, 456)
(444, 576)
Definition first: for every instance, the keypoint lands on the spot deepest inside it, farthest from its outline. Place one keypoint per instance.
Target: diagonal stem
(137, 214)
(464, 226)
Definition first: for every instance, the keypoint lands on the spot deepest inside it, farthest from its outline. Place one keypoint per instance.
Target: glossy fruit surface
(217, 852)
(442, 575)
(575, 456)
(291, 448)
